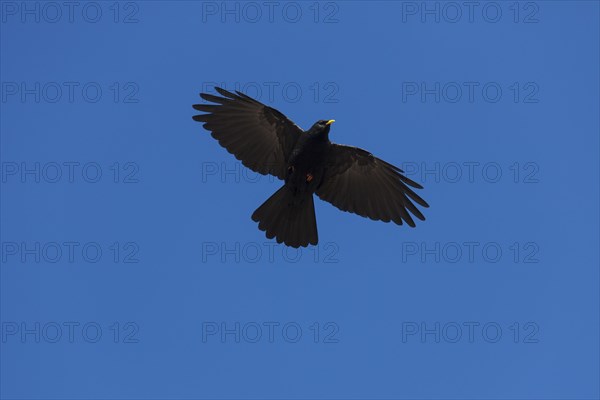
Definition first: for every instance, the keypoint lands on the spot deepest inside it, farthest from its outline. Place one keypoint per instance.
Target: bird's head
(322, 127)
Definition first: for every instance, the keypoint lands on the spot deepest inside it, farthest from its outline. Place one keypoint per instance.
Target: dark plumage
(351, 179)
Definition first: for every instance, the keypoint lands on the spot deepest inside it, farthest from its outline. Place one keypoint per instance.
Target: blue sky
(131, 267)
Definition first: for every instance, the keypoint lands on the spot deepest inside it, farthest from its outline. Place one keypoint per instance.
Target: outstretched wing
(259, 136)
(358, 182)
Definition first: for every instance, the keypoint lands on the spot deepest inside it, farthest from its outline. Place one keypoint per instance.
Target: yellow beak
(331, 121)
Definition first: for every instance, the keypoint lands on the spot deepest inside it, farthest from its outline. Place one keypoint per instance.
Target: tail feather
(288, 218)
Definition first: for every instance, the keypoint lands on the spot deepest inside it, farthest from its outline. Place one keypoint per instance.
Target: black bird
(351, 179)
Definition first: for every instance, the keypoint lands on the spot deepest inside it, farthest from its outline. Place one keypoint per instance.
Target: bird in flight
(351, 179)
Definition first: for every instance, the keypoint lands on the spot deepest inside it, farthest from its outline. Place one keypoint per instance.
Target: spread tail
(288, 218)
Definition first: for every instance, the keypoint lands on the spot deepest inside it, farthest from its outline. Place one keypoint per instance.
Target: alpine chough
(351, 179)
